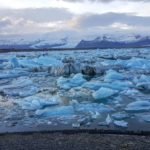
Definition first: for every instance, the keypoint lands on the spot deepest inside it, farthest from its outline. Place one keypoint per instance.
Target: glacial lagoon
(102, 89)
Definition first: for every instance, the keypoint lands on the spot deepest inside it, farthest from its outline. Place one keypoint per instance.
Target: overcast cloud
(105, 1)
(74, 15)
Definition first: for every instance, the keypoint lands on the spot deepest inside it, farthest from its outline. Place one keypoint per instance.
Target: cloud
(34, 20)
(105, 1)
(108, 19)
(37, 14)
(5, 22)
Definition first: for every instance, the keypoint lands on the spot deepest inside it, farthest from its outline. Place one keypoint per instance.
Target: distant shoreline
(64, 49)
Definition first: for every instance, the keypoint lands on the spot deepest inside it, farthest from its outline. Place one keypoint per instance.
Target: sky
(84, 17)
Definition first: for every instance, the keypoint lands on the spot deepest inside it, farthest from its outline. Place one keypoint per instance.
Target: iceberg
(14, 63)
(93, 85)
(143, 78)
(121, 123)
(120, 116)
(47, 61)
(116, 85)
(21, 92)
(146, 117)
(67, 83)
(93, 108)
(13, 74)
(79, 93)
(138, 106)
(63, 83)
(108, 120)
(138, 63)
(78, 80)
(104, 93)
(21, 87)
(56, 111)
(120, 85)
(35, 102)
(28, 63)
(144, 87)
(113, 75)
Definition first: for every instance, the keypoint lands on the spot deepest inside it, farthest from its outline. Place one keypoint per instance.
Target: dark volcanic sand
(79, 141)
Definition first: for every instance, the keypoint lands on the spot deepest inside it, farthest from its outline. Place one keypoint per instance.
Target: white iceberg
(108, 120)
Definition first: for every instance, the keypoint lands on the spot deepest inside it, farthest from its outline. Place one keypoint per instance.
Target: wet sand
(80, 141)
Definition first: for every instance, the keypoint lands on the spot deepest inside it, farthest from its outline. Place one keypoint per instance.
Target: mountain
(70, 40)
(112, 42)
(38, 41)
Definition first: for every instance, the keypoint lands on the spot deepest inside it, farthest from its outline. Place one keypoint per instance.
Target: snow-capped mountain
(107, 41)
(72, 41)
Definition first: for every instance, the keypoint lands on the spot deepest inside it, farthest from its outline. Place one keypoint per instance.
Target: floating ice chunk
(14, 63)
(77, 80)
(48, 61)
(138, 63)
(76, 125)
(121, 85)
(146, 117)
(121, 123)
(56, 111)
(113, 75)
(34, 102)
(144, 78)
(95, 115)
(84, 120)
(21, 87)
(92, 108)
(104, 93)
(63, 83)
(144, 87)
(102, 124)
(13, 74)
(120, 116)
(21, 92)
(80, 93)
(92, 85)
(28, 63)
(20, 82)
(116, 85)
(66, 83)
(108, 120)
(138, 106)
(131, 92)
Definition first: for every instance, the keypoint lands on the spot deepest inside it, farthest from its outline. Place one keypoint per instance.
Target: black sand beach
(80, 141)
